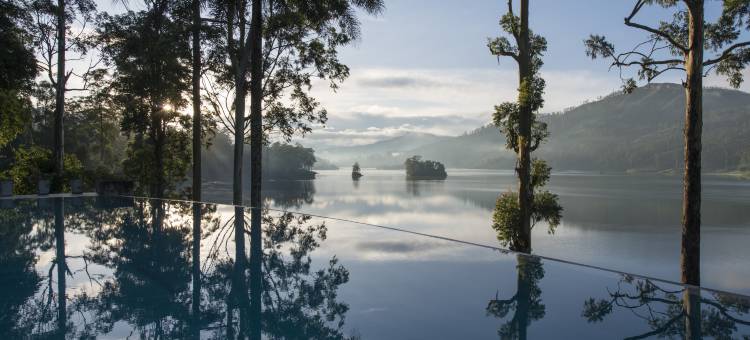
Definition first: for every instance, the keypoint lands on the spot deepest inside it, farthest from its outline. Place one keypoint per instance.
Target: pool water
(116, 267)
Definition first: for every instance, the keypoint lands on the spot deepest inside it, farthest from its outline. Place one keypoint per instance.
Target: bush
(34, 163)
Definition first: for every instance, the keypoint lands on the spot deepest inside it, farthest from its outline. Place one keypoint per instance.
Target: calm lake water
(115, 268)
(629, 223)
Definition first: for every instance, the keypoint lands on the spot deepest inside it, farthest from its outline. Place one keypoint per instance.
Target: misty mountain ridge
(641, 131)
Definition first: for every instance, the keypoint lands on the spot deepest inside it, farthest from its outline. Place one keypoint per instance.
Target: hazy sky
(423, 65)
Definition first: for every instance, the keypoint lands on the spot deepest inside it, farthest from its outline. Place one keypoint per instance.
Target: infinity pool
(122, 267)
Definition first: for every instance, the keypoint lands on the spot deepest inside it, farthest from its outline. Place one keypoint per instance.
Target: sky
(424, 66)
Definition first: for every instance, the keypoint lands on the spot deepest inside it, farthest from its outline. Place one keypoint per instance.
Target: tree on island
(416, 168)
(681, 45)
(356, 172)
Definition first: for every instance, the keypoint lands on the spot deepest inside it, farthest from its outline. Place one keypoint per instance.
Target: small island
(417, 169)
(356, 171)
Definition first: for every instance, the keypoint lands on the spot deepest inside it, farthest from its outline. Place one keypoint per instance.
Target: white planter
(76, 186)
(44, 186)
(6, 188)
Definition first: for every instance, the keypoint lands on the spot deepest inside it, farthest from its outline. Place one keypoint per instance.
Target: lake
(629, 223)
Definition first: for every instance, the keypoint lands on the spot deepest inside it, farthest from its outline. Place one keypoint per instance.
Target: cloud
(367, 128)
(396, 246)
(379, 103)
(453, 92)
(393, 82)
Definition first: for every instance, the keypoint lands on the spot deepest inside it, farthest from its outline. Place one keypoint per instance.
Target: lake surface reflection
(625, 222)
(117, 267)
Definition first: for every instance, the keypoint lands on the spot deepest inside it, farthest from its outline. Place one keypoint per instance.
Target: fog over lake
(623, 222)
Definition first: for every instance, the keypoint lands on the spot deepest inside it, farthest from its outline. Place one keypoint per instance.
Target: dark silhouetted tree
(151, 56)
(57, 41)
(298, 44)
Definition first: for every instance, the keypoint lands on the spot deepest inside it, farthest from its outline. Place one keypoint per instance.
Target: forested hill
(620, 132)
(643, 131)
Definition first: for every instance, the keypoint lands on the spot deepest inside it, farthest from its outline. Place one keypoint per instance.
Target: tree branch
(726, 54)
(652, 30)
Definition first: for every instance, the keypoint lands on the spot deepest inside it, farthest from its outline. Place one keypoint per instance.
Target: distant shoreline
(745, 175)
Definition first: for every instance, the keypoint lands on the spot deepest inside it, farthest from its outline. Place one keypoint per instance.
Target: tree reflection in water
(681, 312)
(526, 304)
(18, 278)
(298, 301)
(288, 194)
(149, 255)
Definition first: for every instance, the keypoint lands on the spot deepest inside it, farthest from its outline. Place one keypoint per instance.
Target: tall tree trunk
(256, 100)
(239, 103)
(59, 95)
(197, 176)
(256, 149)
(158, 139)
(691, 199)
(523, 166)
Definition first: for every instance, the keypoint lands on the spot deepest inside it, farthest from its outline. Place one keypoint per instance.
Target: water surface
(625, 222)
(118, 267)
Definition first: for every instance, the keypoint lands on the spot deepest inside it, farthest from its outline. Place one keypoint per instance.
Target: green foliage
(665, 48)
(506, 119)
(150, 54)
(506, 218)
(17, 62)
(545, 207)
(34, 163)
(303, 38)
(416, 168)
(14, 116)
(92, 129)
(17, 70)
(508, 221)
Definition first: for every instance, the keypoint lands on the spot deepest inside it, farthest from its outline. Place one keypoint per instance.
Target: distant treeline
(280, 161)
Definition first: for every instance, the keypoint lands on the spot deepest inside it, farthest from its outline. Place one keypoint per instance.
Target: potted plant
(6, 185)
(76, 186)
(44, 184)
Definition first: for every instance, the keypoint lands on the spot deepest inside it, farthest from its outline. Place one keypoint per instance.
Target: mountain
(641, 131)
